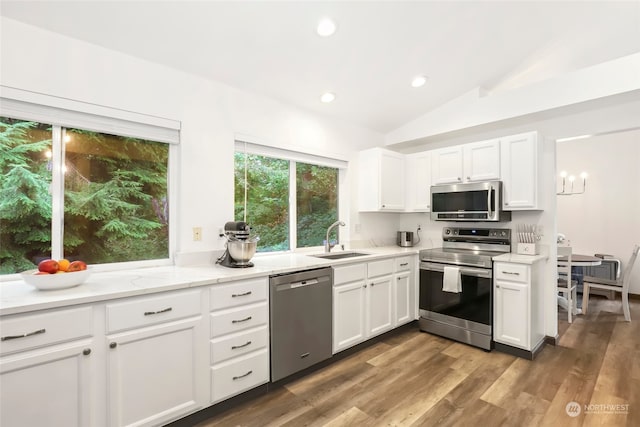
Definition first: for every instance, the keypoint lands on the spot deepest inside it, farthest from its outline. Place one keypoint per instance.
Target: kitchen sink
(340, 255)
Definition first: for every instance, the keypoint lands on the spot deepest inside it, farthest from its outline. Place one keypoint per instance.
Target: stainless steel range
(456, 284)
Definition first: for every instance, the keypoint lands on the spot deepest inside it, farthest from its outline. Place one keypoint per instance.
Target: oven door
(471, 309)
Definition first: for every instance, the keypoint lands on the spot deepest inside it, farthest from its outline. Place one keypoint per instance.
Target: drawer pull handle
(150, 313)
(241, 295)
(404, 264)
(113, 345)
(86, 351)
(511, 272)
(303, 355)
(28, 334)
(241, 320)
(242, 376)
(234, 347)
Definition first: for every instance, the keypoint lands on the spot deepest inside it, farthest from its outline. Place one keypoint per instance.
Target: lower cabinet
(47, 368)
(518, 301)
(348, 314)
(239, 337)
(371, 298)
(156, 372)
(512, 313)
(50, 387)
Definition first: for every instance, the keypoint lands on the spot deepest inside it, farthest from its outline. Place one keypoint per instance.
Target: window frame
(59, 113)
(244, 146)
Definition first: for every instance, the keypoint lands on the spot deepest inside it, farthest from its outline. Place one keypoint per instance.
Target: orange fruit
(63, 264)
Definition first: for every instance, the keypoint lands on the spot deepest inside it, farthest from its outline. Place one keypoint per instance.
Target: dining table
(577, 260)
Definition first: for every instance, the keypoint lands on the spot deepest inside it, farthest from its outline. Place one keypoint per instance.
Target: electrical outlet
(197, 234)
(419, 227)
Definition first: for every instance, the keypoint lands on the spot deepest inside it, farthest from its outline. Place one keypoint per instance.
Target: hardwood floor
(417, 379)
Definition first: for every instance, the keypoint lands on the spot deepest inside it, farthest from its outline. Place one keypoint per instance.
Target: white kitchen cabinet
(381, 180)
(520, 157)
(478, 161)
(517, 308)
(405, 304)
(46, 371)
(370, 299)
(481, 161)
(418, 182)
(348, 314)
(446, 165)
(349, 311)
(239, 337)
(380, 299)
(157, 358)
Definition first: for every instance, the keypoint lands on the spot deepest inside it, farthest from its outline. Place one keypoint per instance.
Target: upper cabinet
(381, 180)
(446, 165)
(520, 156)
(479, 161)
(418, 182)
(395, 182)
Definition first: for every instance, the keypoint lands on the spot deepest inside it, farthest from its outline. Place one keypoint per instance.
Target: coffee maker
(240, 246)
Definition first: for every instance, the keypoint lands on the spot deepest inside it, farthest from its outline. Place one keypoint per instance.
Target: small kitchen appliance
(240, 246)
(404, 239)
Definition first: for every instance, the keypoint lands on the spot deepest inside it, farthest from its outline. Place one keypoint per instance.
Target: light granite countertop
(19, 297)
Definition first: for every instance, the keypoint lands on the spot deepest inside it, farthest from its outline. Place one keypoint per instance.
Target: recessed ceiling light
(326, 27)
(418, 81)
(328, 97)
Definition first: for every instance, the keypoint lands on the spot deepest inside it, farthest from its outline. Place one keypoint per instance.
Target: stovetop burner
(469, 246)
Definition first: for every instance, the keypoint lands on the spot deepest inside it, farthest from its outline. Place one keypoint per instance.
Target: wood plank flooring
(418, 379)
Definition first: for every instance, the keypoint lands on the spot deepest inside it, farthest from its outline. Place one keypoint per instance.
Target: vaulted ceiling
(271, 48)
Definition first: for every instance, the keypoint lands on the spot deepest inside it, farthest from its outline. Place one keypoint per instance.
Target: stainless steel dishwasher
(301, 306)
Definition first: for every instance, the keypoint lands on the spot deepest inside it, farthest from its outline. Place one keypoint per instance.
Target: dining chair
(620, 285)
(566, 286)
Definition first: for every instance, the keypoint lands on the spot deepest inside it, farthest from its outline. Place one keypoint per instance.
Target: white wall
(606, 218)
(211, 114)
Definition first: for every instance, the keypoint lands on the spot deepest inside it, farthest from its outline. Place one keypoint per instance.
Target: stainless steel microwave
(476, 201)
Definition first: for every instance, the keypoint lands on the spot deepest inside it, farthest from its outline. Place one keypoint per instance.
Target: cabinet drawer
(512, 272)
(380, 268)
(349, 273)
(23, 332)
(146, 311)
(239, 319)
(238, 344)
(238, 375)
(238, 293)
(403, 264)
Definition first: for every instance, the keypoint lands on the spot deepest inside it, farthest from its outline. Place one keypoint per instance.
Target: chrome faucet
(327, 245)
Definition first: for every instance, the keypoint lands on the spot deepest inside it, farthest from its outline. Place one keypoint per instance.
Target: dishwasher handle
(303, 283)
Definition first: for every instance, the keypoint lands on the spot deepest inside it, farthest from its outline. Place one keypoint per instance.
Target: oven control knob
(447, 231)
(504, 233)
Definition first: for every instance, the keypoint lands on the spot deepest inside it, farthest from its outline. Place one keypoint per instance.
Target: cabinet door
(418, 182)
(403, 312)
(481, 161)
(348, 315)
(446, 165)
(379, 305)
(47, 387)
(157, 374)
(519, 168)
(511, 314)
(391, 181)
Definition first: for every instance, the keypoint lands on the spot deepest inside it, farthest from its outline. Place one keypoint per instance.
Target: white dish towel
(451, 281)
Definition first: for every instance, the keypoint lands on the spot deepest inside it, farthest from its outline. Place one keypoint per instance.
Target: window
(288, 203)
(78, 194)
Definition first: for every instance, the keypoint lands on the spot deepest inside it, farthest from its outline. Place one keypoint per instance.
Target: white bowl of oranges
(52, 274)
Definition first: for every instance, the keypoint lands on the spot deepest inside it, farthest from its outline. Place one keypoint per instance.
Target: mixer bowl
(242, 250)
